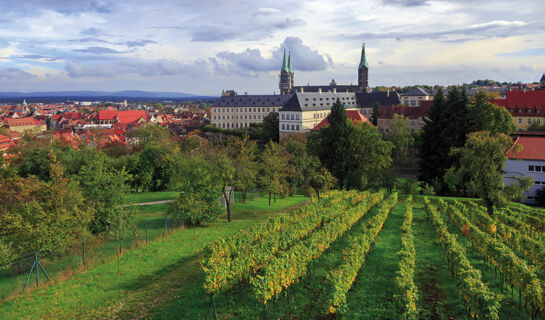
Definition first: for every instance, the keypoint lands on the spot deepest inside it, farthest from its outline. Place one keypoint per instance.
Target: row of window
(320, 115)
(290, 116)
(232, 125)
(539, 182)
(332, 99)
(245, 117)
(536, 169)
(294, 127)
(529, 121)
(221, 110)
(538, 111)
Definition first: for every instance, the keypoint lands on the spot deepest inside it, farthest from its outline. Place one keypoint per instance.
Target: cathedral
(286, 84)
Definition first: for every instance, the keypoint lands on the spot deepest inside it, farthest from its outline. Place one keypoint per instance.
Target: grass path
(371, 296)
(438, 297)
(148, 274)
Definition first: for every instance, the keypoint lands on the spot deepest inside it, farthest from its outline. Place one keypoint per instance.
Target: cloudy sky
(205, 46)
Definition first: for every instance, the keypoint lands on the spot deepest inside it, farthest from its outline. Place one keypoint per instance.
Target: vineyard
(365, 255)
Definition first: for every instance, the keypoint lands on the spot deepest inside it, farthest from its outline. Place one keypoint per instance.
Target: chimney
(319, 90)
(334, 90)
(388, 92)
(302, 89)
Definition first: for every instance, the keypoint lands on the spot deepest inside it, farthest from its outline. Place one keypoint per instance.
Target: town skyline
(202, 49)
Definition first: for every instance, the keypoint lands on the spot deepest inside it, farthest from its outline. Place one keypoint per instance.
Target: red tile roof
(11, 122)
(408, 112)
(353, 115)
(131, 116)
(4, 139)
(533, 148)
(107, 114)
(524, 104)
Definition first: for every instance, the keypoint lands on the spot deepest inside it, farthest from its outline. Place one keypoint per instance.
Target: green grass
(139, 197)
(98, 250)
(149, 274)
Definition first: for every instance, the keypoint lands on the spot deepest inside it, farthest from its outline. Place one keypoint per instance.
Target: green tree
(151, 134)
(243, 154)
(41, 216)
(375, 114)
(105, 190)
(270, 132)
(352, 153)
(155, 166)
(490, 117)
(274, 164)
(318, 177)
(196, 179)
(481, 170)
(226, 174)
(401, 136)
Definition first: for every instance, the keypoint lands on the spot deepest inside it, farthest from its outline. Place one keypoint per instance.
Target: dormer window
(520, 110)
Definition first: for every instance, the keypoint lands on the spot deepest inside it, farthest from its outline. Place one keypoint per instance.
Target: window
(538, 169)
(520, 120)
(529, 120)
(297, 127)
(283, 117)
(283, 127)
(538, 121)
(537, 182)
(292, 116)
(292, 127)
(531, 168)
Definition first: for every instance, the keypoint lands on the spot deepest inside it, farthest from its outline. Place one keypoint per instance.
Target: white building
(413, 97)
(530, 162)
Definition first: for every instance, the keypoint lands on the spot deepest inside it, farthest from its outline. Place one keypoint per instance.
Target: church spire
(363, 61)
(290, 69)
(284, 66)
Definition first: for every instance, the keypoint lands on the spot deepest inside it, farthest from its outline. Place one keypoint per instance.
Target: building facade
(415, 115)
(413, 97)
(27, 124)
(526, 107)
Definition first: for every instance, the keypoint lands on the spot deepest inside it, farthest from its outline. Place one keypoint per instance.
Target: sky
(206, 46)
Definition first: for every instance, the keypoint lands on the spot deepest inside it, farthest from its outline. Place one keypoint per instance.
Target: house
(127, 117)
(27, 124)
(367, 100)
(416, 115)
(526, 107)
(413, 97)
(530, 162)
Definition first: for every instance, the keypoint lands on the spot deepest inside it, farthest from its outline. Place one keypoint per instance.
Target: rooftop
(533, 148)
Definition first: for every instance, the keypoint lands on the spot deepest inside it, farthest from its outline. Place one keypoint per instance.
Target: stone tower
(542, 82)
(286, 76)
(363, 72)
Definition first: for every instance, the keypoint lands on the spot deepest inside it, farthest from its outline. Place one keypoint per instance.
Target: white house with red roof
(128, 117)
(529, 162)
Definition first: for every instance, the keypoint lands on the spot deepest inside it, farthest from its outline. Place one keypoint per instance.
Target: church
(300, 108)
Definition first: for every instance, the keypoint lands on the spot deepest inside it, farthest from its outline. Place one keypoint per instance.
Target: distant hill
(94, 94)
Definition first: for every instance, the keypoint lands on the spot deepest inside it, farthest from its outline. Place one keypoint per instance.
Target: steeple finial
(290, 69)
(284, 66)
(363, 61)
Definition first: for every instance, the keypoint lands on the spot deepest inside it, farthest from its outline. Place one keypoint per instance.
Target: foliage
(375, 114)
(274, 169)
(401, 136)
(482, 302)
(407, 292)
(540, 196)
(198, 184)
(226, 176)
(270, 130)
(481, 169)
(342, 277)
(243, 154)
(154, 167)
(352, 153)
(490, 117)
(41, 216)
(105, 189)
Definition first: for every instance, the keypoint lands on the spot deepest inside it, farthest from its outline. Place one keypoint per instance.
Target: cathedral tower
(286, 76)
(363, 72)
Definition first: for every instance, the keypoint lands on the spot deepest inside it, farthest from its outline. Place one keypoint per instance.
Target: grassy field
(150, 274)
(139, 197)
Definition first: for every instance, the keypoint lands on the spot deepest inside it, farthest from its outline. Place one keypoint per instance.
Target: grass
(139, 197)
(149, 274)
(98, 250)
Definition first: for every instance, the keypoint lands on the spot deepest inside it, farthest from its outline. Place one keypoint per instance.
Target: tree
(41, 216)
(196, 179)
(243, 154)
(274, 163)
(481, 170)
(319, 178)
(352, 153)
(226, 174)
(490, 117)
(105, 189)
(151, 134)
(270, 128)
(401, 136)
(375, 114)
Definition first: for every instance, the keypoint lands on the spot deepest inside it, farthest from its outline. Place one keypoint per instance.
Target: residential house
(416, 115)
(526, 107)
(414, 96)
(27, 124)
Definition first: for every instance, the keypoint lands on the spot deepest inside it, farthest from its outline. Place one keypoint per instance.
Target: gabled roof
(408, 112)
(353, 115)
(368, 99)
(269, 100)
(107, 114)
(542, 77)
(416, 91)
(131, 116)
(524, 104)
(533, 148)
(310, 101)
(28, 121)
